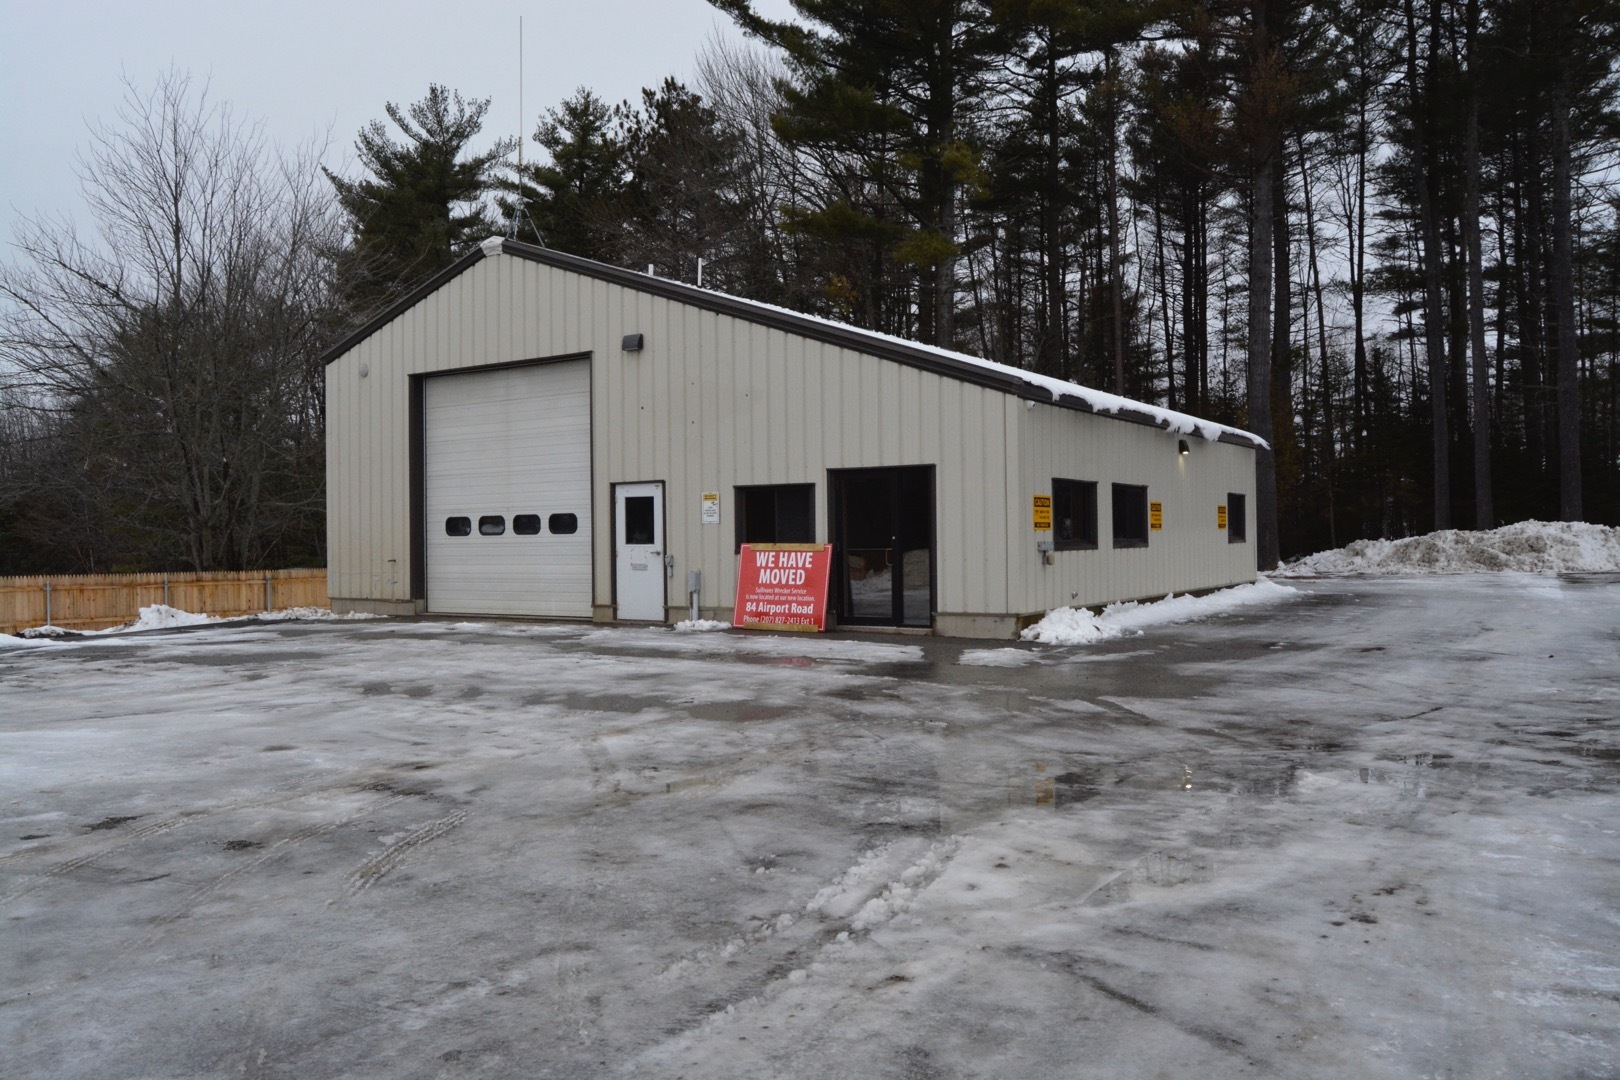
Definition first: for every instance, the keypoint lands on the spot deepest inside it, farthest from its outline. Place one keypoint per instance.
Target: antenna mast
(520, 207)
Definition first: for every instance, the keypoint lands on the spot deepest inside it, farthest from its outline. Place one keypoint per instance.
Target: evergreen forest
(1382, 234)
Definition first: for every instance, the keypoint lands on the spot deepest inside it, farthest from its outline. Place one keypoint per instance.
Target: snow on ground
(1526, 547)
(1367, 832)
(1078, 626)
(164, 617)
(1004, 657)
(161, 617)
(309, 614)
(699, 626)
(13, 641)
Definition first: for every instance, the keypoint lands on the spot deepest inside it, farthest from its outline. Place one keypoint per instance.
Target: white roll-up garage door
(507, 490)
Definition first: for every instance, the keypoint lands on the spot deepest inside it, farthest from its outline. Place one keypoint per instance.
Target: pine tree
(683, 199)
(882, 93)
(572, 198)
(421, 206)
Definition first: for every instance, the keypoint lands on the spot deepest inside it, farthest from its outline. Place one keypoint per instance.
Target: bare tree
(173, 351)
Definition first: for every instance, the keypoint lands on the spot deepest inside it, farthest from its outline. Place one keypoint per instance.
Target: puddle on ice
(1155, 870)
(1420, 761)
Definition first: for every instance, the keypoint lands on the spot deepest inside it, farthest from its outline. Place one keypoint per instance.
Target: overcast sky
(306, 67)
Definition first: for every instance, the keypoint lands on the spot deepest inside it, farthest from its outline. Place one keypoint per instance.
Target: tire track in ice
(380, 865)
(890, 897)
(197, 896)
(860, 899)
(131, 838)
(864, 897)
(156, 828)
(274, 851)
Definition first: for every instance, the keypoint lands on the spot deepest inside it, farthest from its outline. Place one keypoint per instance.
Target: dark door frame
(836, 523)
(417, 460)
(613, 533)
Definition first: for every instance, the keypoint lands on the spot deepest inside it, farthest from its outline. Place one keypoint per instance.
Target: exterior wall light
(1182, 447)
(632, 343)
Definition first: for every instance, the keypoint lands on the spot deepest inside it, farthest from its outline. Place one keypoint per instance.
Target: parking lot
(1370, 830)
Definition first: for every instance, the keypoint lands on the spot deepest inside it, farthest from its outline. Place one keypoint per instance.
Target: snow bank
(1525, 547)
(164, 617)
(1078, 626)
(312, 614)
(11, 641)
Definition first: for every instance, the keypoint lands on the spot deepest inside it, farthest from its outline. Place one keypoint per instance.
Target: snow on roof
(937, 359)
(1098, 401)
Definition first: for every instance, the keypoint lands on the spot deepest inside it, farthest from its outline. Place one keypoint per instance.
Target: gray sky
(309, 67)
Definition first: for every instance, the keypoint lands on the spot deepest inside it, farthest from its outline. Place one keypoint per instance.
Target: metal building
(532, 433)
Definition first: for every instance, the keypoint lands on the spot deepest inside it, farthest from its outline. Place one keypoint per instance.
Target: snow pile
(163, 617)
(47, 631)
(1525, 547)
(699, 626)
(1078, 626)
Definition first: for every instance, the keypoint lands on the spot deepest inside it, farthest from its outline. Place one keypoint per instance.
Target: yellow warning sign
(1155, 515)
(1043, 513)
(1220, 517)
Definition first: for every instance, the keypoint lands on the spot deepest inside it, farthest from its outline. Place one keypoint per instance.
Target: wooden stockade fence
(97, 601)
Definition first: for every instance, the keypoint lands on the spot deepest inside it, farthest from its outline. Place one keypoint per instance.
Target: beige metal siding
(713, 402)
(1190, 552)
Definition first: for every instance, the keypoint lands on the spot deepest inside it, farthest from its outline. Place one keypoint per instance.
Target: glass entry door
(883, 536)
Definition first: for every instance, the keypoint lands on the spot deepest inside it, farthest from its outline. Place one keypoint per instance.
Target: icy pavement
(1371, 831)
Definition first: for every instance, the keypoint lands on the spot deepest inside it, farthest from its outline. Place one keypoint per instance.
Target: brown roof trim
(816, 329)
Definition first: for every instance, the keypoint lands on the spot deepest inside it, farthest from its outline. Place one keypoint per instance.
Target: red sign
(782, 587)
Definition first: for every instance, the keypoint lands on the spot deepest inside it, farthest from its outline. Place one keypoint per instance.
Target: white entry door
(638, 550)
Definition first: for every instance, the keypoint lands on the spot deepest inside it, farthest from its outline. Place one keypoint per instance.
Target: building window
(1074, 514)
(563, 524)
(778, 514)
(1130, 515)
(1237, 518)
(458, 526)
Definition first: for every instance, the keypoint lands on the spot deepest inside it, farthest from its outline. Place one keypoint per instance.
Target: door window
(638, 520)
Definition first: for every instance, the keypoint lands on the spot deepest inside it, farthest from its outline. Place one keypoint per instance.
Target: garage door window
(458, 526)
(563, 524)
(526, 524)
(1130, 516)
(491, 525)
